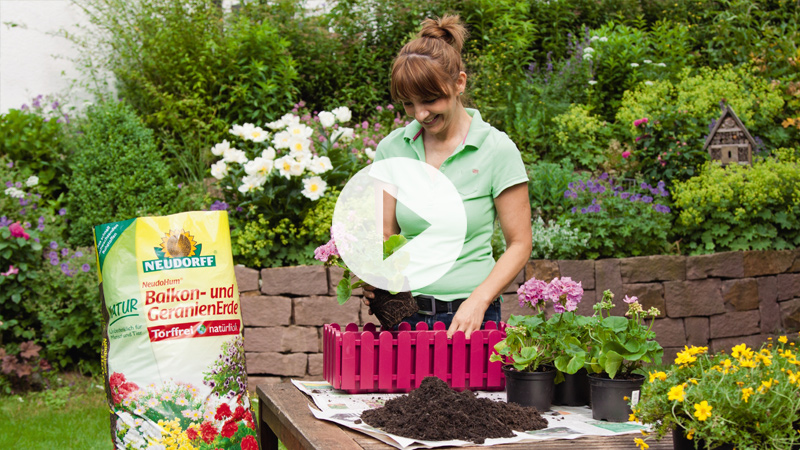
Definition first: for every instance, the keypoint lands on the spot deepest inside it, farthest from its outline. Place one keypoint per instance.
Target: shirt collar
(478, 131)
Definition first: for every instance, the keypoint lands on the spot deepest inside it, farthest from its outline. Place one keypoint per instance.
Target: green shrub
(34, 140)
(741, 207)
(622, 222)
(547, 183)
(581, 137)
(755, 100)
(553, 241)
(189, 70)
(66, 303)
(117, 172)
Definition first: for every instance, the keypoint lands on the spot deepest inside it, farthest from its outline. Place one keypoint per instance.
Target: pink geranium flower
(626, 154)
(641, 121)
(18, 231)
(630, 299)
(565, 294)
(532, 292)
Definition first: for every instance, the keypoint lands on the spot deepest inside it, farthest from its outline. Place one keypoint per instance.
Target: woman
(429, 79)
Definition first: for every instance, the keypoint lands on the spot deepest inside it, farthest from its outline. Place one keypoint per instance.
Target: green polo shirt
(484, 165)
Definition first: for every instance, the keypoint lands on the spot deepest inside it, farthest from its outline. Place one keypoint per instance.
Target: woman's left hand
(468, 318)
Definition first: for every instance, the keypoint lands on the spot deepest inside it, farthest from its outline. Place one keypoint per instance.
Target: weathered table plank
(285, 416)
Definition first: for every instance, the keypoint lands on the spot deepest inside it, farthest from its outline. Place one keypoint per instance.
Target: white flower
(648, 83)
(327, 119)
(276, 125)
(220, 148)
(661, 65)
(314, 187)
(299, 144)
(32, 181)
(288, 167)
(290, 119)
(256, 134)
(594, 38)
(320, 164)
(300, 130)
(634, 65)
(370, 153)
(259, 166)
(604, 39)
(342, 114)
(236, 130)
(234, 155)
(281, 139)
(268, 153)
(15, 193)
(588, 50)
(302, 156)
(592, 82)
(647, 61)
(587, 56)
(344, 134)
(251, 183)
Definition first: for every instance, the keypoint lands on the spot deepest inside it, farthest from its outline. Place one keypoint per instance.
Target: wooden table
(285, 416)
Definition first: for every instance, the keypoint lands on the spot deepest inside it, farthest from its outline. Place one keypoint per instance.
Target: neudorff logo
(178, 250)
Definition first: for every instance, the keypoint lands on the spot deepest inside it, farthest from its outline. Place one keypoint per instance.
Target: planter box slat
(397, 361)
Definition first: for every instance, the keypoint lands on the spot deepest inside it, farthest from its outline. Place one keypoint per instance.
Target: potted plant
(747, 398)
(619, 346)
(535, 345)
(388, 306)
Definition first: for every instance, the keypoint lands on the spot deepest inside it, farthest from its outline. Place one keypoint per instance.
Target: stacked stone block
(717, 300)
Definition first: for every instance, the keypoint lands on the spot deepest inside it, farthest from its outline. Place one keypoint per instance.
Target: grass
(72, 416)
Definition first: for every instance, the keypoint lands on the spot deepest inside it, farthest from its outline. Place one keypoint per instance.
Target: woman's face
(436, 114)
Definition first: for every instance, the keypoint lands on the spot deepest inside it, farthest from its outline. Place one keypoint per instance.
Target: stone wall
(716, 300)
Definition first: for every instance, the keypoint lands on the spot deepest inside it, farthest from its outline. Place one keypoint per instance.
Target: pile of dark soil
(434, 412)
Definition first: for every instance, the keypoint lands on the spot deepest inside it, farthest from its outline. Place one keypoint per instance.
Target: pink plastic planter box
(397, 361)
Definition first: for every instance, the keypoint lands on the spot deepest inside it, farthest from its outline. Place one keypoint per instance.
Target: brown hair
(429, 65)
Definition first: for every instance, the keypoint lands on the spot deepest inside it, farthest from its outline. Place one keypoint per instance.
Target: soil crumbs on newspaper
(434, 412)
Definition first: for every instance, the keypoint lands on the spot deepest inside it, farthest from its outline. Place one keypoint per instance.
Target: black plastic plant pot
(609, 396)
(573, 391)
(530, 388)
(679, 442)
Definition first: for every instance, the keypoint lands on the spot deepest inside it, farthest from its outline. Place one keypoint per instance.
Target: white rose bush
(280, 180)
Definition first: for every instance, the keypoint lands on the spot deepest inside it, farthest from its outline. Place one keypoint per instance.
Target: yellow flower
(727, 363)
(741, 351)
(746, 393)
(794, 377)
(747, 363)
(641, 443)
(685, 358)
(765, 385)
(632, 418)
(676, 393)
(702, 410)
(690, 434)
(783, 339)
(658, 376)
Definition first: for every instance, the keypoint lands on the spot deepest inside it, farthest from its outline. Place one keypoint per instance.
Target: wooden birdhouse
(729, 141)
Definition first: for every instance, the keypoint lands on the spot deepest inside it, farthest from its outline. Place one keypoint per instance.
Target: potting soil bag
(173, 354)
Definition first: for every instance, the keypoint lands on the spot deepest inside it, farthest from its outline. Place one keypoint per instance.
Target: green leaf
(343, 291)
(392, 244)
(611, 362)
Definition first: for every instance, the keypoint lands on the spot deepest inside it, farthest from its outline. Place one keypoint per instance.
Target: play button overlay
(358, 224)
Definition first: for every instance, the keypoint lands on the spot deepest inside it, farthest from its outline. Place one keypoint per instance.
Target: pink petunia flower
(11, 271)
(626, 154)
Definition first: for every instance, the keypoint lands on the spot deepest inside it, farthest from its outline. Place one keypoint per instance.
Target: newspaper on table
(564, 422)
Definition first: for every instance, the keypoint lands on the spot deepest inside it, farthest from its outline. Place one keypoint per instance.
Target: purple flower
(77, 254)
(5, 221)
(41, 220)
(40, 227)
(18, 184)
(23, 202)
(624, 195)
(24, 107)
(53, 245)
(53, 254)
(219, 206)
(85, 267)
(64, 251)
(661, 208)
(62, 212)
(54, 261)
(55, 105)
(37, 102)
